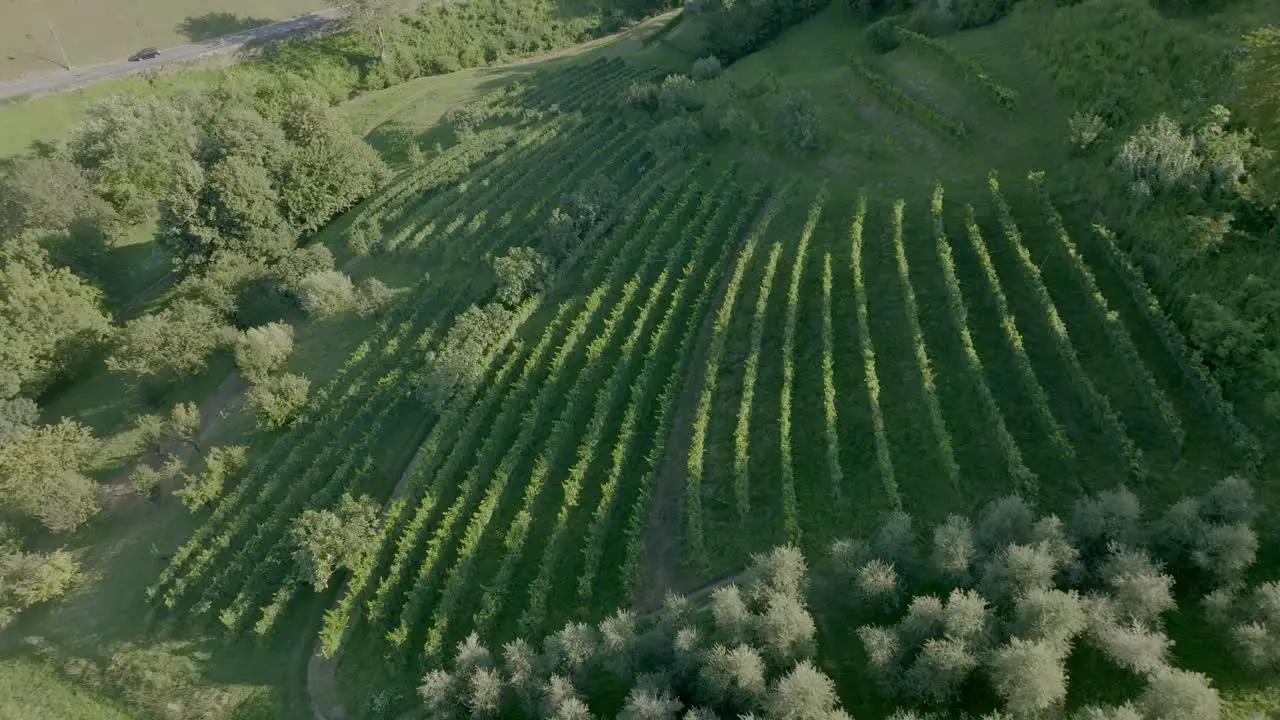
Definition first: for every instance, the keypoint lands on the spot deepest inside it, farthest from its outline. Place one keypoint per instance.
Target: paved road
(61, 81)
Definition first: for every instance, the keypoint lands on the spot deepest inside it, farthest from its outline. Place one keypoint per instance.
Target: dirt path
(662, 538)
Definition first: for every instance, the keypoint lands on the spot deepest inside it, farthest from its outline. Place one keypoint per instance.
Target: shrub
(706, 68)
(798, 120)
(326, 540)
(679, 93)
(374, 296)
(1086, 128)
(262, 350)
(675, 136)
(363, 235)
(221, 464)
(882, 35)
(291, 269)
(279, 400)
(643, 95)
(326, 294)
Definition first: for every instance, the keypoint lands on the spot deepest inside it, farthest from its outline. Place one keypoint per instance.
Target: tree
(374, 19)
(146, 478)
(785, 629)
(326, 540)
(1140, 591)
(1018, 569)
(49, 193)
(650, 703)
(374, 296)
(130, 146)
(176, 340)
(184, 422)
(521, 272)
(327, 294)
(732, 616)
(15, 412)
(261, 351)
(220, 465)
(1109, 518)
(940, 669)
(780, 571)
(452, 367)
(484, 695)
(1050, 615)
(1005, 521)
(876, 583)
(706, 68)
(278, 400)
(1259, 102)
(733, 677)
(50, 319)
(363, 235)
(42, 474)
(301, 263)
(804, 693)
(28, 579)
(953, 548)
(441, 694)
(1174, 694)
(1028, 675)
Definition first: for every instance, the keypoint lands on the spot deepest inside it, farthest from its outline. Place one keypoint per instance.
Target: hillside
(639, 330)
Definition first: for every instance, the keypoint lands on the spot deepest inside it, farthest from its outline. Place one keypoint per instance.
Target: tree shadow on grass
(217, 24)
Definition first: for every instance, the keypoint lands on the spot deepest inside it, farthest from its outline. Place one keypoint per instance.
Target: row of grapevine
(884, 458)
(386, 596)
(1025, 481)
(562, 432)
(1189, 361)
(790, 512)
(715, 353)
(830, 418)
(742, 429)
(1104, 415)
(907, 105)
(1120, 338)
(1012, 336)
(680, 357)
(972, 71)
(551, 138)
(941, 433)
(446, 526)
(694, 242)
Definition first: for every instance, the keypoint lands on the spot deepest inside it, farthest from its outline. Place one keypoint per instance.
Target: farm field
(738, 363)
(746, 346)
(94, 31)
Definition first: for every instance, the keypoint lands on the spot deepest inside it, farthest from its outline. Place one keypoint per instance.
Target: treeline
(737, 29)
(984, 618)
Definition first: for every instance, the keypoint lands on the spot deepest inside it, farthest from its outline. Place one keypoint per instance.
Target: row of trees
(1003, 602)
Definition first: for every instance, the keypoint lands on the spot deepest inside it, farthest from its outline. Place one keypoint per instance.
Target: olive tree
(261, 351)
(278, 400)
(326, 294)
(29, 578)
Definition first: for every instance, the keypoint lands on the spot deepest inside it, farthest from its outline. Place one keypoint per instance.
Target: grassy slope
(94, 31)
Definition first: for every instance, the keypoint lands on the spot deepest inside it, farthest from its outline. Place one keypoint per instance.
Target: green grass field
(94, 31)
(764, 349)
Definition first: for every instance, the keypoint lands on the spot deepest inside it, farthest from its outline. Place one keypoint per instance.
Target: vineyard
(735, 363)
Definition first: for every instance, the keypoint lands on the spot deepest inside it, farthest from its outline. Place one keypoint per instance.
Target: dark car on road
(144, 54)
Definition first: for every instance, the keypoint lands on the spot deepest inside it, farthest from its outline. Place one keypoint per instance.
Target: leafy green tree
(50, 320)
(278, 400)
(797, 119)
(706, 68)
(1259, 104)
(261, 351)
(42, 474)
(780, 571)
(364, 235)
(732, 616)
(941, 667)
(130, 146)
(174, 341)
(49, 193)
(521, 272)
(15, 412)
(28, 579)
(374, 19)
(327, 540)
(1050, 615)
(146, 478)
(484, 693)
(1008, 520)
(876, 584)
(301, 263)
(327, 294)
(441, 694)
(184, 422)
(452, 368)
